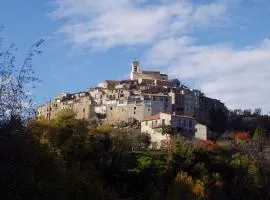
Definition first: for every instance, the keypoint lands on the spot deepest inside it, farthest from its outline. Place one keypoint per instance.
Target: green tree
(259, 133)
(143, 140)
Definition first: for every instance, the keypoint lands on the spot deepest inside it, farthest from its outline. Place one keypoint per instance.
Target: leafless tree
(15, 82)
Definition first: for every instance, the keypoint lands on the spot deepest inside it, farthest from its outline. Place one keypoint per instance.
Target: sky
(221, 47)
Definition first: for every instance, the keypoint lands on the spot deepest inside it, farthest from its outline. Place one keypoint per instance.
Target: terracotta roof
(153, 117)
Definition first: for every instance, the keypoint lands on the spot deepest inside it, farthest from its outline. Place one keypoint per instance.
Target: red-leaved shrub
(243, 135)
(210, 144)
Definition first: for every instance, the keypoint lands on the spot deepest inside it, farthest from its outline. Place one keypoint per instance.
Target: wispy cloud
(239, 77)
(105, 24)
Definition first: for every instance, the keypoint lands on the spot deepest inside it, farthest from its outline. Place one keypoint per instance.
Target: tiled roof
(153, 117)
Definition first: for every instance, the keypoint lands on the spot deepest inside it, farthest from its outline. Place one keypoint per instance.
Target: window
(146, 123)
(121, 95)
(184, 123)
(190, 124)
(110, 108)
(134, 113)
(83, 109)
(148, 109)
(154, 98)
(134, 108)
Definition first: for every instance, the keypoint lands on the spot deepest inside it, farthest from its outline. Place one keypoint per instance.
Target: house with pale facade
(158, 124)
(202, 132)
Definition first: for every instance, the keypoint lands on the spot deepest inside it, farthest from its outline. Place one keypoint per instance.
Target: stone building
(156, 126)
(81, 103)
(207, 104)
(145, 94)
(138, 74)
(202, 132)
(137, 107)
(186, 102)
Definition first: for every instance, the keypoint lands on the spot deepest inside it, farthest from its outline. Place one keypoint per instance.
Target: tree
(247, 112)
(257, 111)
(15, 81)
(218, 120)
(144, 140)
(176, 83)
(259, 134)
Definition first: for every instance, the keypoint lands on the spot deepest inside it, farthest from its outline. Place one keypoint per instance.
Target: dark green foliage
(259, 133)
(176, 83)
(218, 120)
(142, 141)
(30, 170)
(62, 159)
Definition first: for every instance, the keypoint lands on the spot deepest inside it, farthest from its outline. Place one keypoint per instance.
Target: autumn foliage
(243, 135)
(210, 145)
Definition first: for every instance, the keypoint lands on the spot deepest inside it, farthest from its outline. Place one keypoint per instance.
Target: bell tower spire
(134, 68)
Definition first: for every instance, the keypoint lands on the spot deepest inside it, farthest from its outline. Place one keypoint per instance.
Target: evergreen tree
(259, 133)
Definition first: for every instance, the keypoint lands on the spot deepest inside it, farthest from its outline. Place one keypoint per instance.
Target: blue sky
(221, 47)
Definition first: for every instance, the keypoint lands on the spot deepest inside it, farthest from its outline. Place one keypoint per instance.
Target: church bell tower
(134, 68)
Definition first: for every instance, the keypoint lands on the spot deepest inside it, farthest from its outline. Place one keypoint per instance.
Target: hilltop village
(150, 98)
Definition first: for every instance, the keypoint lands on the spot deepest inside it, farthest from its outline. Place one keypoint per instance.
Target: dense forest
(66, 158)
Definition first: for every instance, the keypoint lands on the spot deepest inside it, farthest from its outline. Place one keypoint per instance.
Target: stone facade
(138, 74)
(145, 94)
(138, 108)
(202, 132)
(81, 103)
(156, 124)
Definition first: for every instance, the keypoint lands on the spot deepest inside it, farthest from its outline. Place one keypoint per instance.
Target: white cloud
(239, 77)
(105, 24)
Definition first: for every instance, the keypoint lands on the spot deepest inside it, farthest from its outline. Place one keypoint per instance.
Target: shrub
(185, 187)
(209, 145)
(242, 136)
